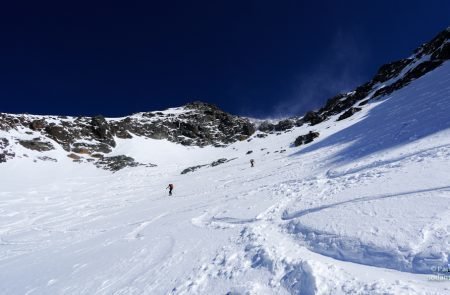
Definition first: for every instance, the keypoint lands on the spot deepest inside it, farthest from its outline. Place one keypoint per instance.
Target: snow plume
(339, 70)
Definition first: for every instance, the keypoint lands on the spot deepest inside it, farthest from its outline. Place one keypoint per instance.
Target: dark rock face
(218, 162)
(89, 148)
(307, 138)
(213, 164)
(119, 162)
(442, 53)
(209, 125)
(73, 156)
(101, 131)
(61, 135)
(37, 124)
(314, 118)
(413, 74)
(202, 124)
(284, 125)
(48, 159)
(3, 143)
(193, 168)
(36, 145)
(5, 152)
(348, 113)
(435, 45)
(390, 70)
(266, 127)
(122, 128)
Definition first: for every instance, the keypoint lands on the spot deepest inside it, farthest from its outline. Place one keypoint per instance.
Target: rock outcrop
(213, 164)
(197, 123)
(5, 152)
(307, 138)
(37, 144)
(116, 163)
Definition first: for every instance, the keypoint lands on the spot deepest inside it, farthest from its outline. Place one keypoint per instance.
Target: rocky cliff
(196, 123)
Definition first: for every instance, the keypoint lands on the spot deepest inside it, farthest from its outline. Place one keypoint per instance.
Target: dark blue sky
(257, 58)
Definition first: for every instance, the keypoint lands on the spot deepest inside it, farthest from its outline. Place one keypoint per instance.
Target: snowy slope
(362, 210)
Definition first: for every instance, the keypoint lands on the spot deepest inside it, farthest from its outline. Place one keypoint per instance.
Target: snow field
(361, 210)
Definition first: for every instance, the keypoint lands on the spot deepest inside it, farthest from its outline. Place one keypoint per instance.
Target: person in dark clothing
(252, 163)
(170, 187)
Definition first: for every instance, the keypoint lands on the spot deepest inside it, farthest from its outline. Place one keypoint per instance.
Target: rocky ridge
(389, 78)
(91, 139)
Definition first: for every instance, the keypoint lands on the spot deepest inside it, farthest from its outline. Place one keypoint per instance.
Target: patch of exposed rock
(306, 138)
(47, 159)
(117, 163)
(5, 151)
(348, 113)
(37, 144)
(283, 125)
(213, 164)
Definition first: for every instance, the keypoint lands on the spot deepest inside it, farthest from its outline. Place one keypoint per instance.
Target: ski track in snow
(346, 214)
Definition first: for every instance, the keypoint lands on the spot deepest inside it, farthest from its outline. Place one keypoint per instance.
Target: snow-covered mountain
(352, 198)
(92, 139)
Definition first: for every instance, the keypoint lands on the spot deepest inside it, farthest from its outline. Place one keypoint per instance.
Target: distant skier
(252, 163)
(170, 187)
